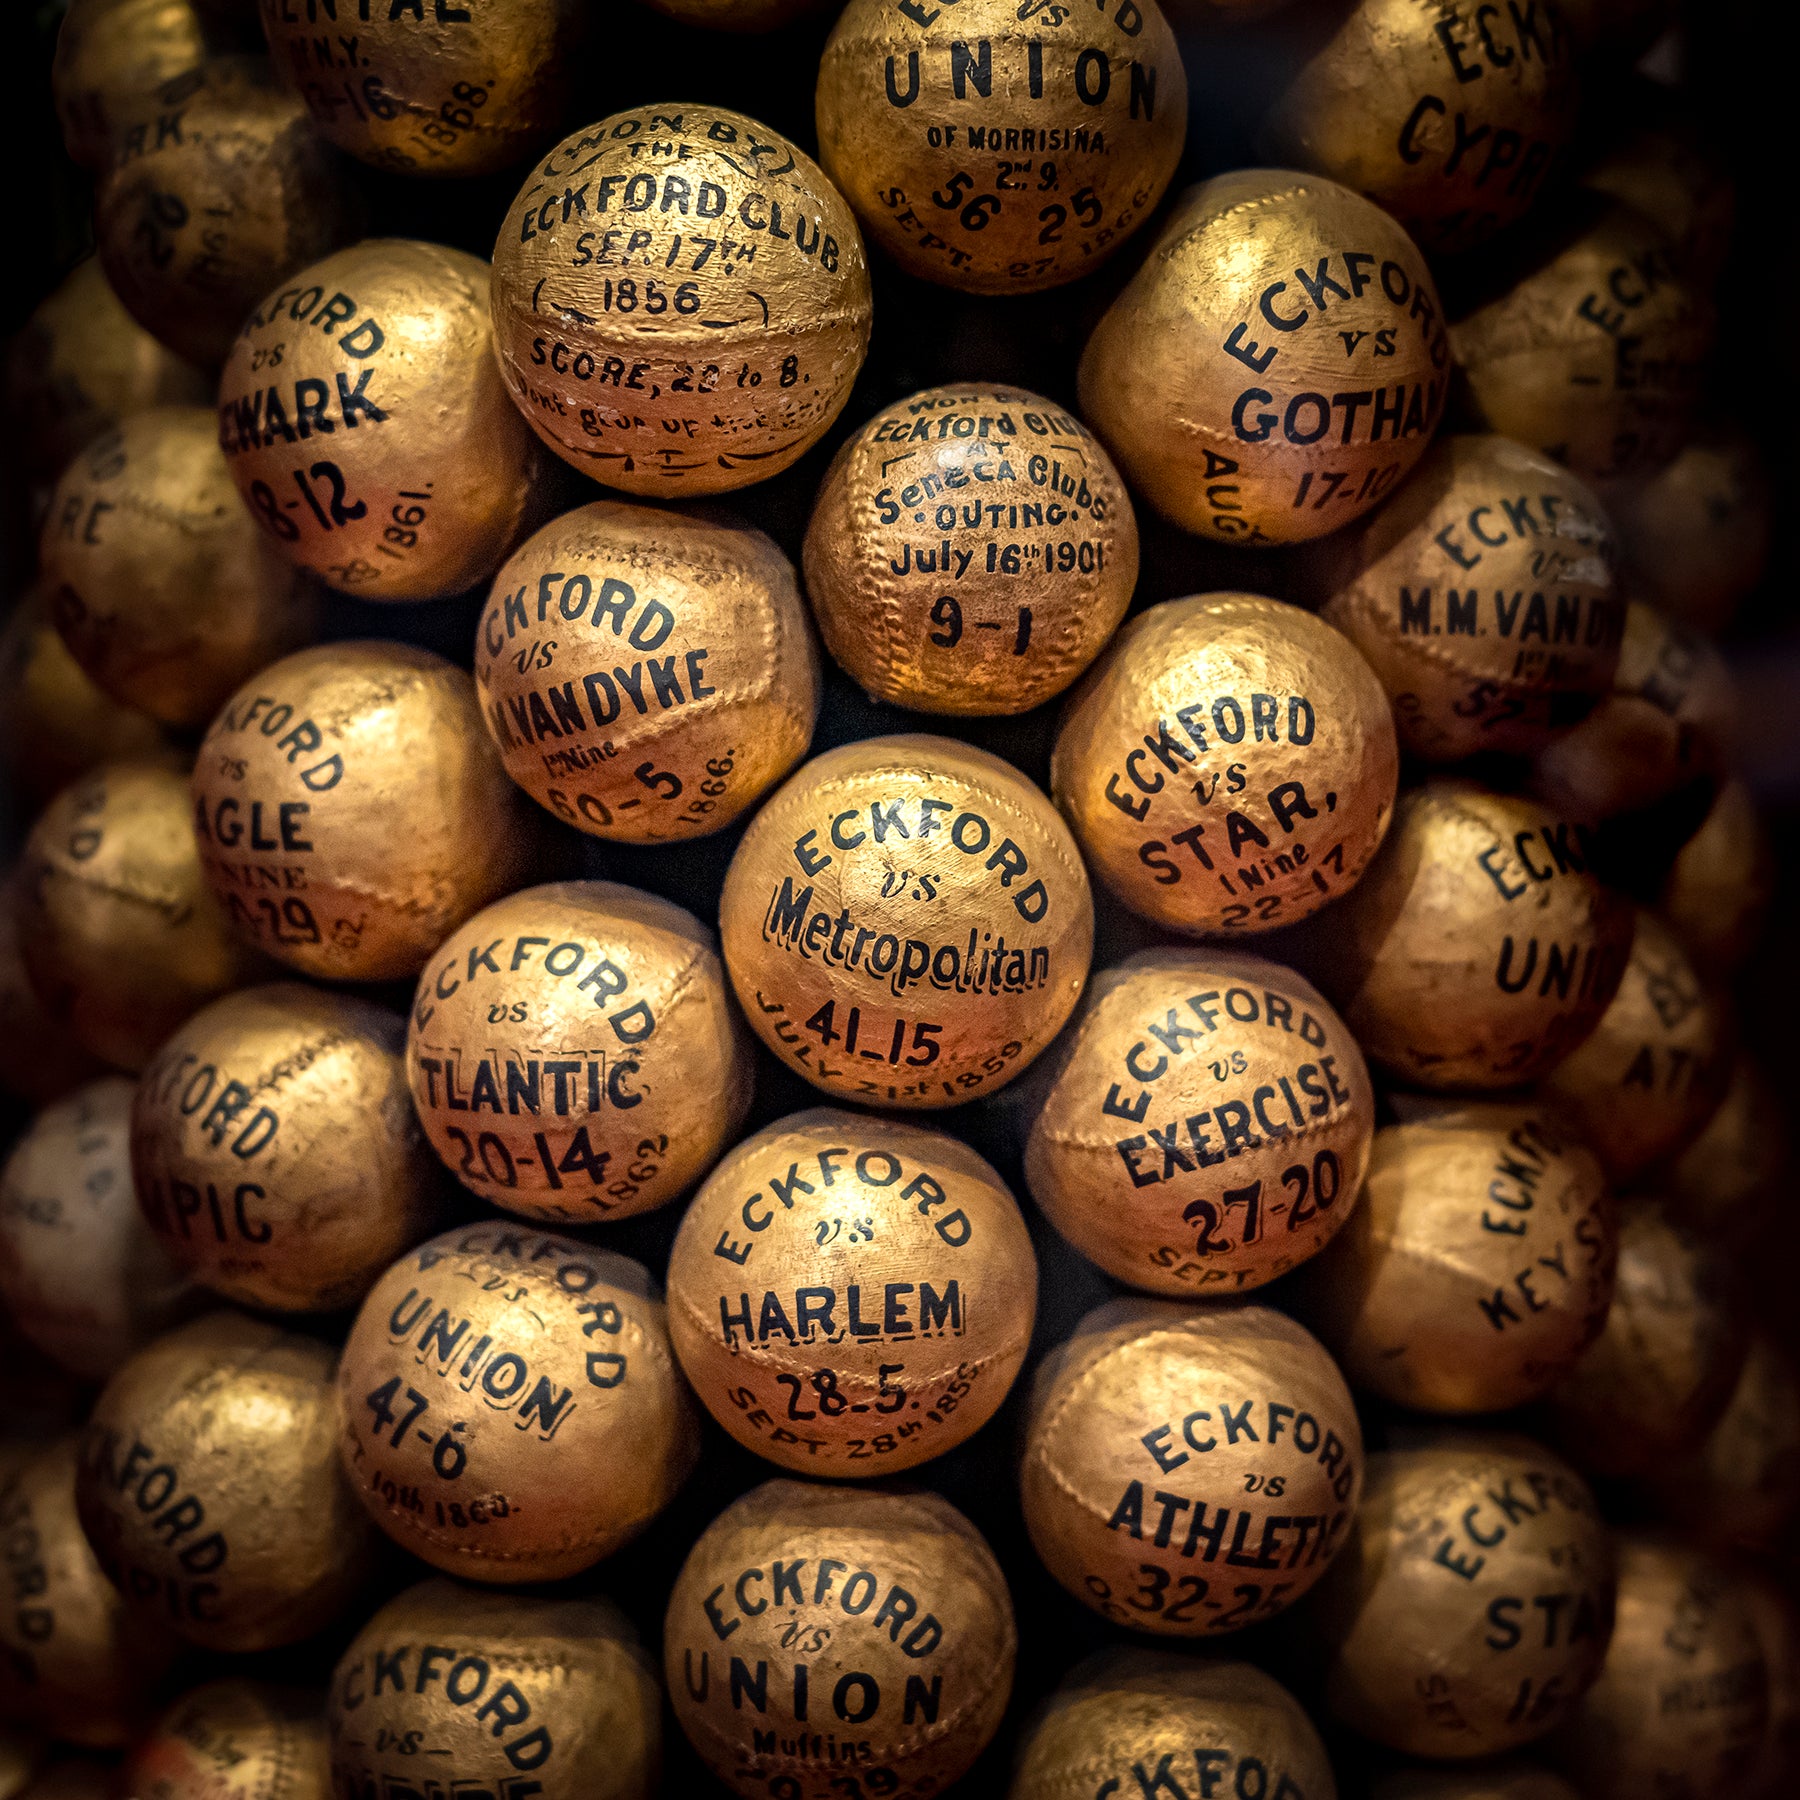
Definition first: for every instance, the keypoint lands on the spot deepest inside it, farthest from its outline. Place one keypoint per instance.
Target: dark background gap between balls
(1739, 86)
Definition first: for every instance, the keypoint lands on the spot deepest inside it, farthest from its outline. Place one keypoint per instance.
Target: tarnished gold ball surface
(1480, 947)
(647, 675)
(1188, 1471)
(119, 932)
(217, 186)
(80, 364)
(1478, 1264)
(1448, 117)
(1721, 884)
(850, 1297)
(234, 1740)
(351, 811)
(1484, 597)
(1149, 1716)
(55, 724)
(1681, 1704)
(1650, 1387)
(1669, 722)
(1205, 1126)
(1512, 1779)
(276, 1152)
(1643, 1084)
(73, 1661)
(680, 301)
(111, 56)
(81, 1273)
(907, 923)
(502, 1693)
(553, 1424)
(1741, 1486)
(40, 1059)
(1473, 1601)
(922, 112)
(460, 90)
(878, 1620)
(959, 512)
(161, 586)
(1595, 355)
(1729, 1179)
(364, 421)
(210, 1486)
(1228, 765)
(1251, 396)
(575, 1055)
(1697, 532)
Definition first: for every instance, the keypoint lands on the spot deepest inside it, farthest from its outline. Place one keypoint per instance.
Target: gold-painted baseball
(574, 1054)
(1449, 117)
(1595, 355)
(680, 301)
(1668, 722)
(907, 922)
(877, 1621)
(923, 112)
(276, 1152)
(111, 56)
(234, 1740)
(364, 421)
(1189, 1470)
(1480, 947)
(1681, 1705)
(1643, 1084)
(435, 88)
(1205, 1125)
(1717, 893)
(1742, 1485)
(1228, 765)
(161, 586)
(80, 364)
(1483, 596)
(210, 1486)
(1478, 1264)
(1152, 1717)
(351, 811)
(647, 675)
(962, 512)
(217, 186)
(119, 932)
(1472, 1604)
(55, 724)
(82, 1274)
(74, 1662)
(1276, 366)
(1655, 1381)
(1697, 532)
(503, 1693)
(508, 1406)
(1728, 1180)
(40, 1059)
(850, 1297)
